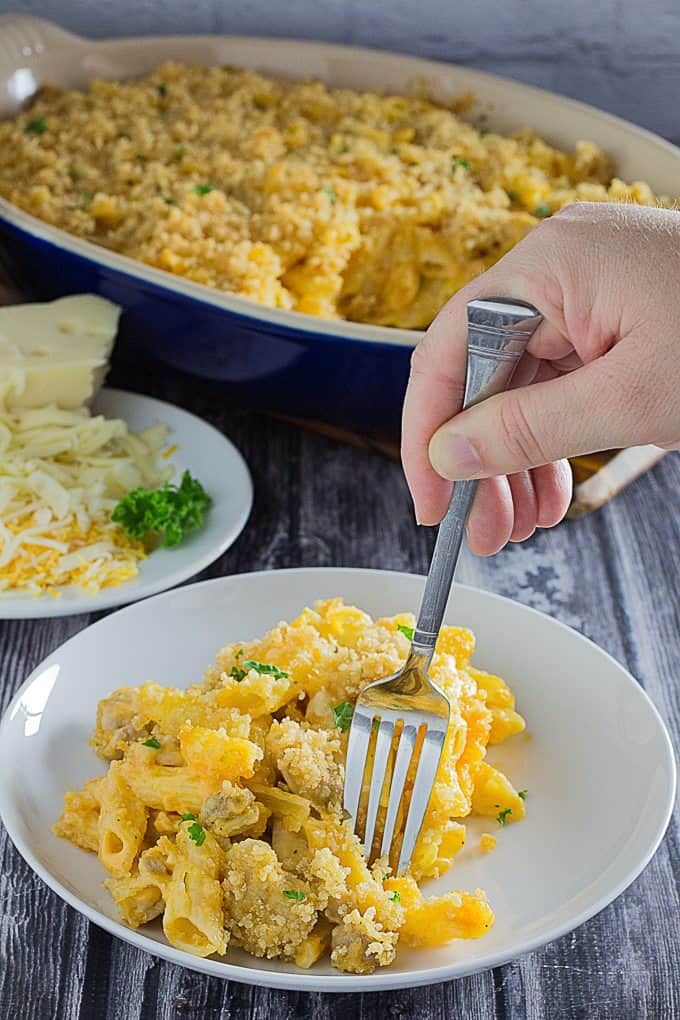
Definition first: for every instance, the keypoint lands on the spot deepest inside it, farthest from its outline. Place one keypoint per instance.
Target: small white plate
(211, 458)
(599, 768)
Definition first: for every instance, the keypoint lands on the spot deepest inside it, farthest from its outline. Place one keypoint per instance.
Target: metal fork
(408, 703)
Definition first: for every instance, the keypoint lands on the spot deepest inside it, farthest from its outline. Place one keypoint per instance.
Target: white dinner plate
(213, 460)
(598, 768)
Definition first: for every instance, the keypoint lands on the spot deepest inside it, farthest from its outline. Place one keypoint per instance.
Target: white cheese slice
(57, 352)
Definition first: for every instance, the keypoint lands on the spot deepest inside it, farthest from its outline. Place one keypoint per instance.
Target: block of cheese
(57, 352)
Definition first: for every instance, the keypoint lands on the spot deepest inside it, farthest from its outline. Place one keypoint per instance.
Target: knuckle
(419, 357)
(518, 434)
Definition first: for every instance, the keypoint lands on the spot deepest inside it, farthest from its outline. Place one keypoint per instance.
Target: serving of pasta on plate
(220, 811)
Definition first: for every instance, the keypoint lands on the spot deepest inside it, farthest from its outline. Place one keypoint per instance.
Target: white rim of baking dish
(28, 39)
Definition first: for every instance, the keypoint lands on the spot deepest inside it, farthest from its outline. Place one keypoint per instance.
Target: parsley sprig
(196, 833)
(152, 742)
(342, 715)
(36, 127)
(502, 816)
(172, 510)
(405, 630)
(295, 894)
(265, 668)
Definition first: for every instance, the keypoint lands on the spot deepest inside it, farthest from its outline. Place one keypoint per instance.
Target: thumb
(587, 410)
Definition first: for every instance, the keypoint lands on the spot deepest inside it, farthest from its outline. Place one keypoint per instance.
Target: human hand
(601, 371)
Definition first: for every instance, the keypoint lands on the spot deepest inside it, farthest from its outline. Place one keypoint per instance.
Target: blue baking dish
(346, 373)
(307, 372)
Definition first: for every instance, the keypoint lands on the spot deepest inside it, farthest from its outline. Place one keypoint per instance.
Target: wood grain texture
(613, 576)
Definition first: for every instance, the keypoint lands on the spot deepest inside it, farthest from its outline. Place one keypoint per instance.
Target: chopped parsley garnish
(502, 816)
(345, 148)
(85, 199)
(513, 195)
(189, 816)
(124, 134)
(265, 668)
(406, 631)
(261, 104)
(395, 897)
(141, 157)
(342, 715)
(152, 742)
(162, 90)
(522, 794)
(197, 833)
(178, 154)
(203, 189)
(172, 510)
(542, 210)
(483, 130)
(295, 894)
(73, 174)
(239, 653)
(237, 674)
(36, 127)
(461, 162)
(330, 195)
(168, 200)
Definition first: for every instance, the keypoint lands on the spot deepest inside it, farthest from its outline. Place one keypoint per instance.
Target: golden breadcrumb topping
(331, 202)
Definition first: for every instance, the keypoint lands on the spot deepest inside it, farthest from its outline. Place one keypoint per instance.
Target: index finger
(436, 383)
(434, 394)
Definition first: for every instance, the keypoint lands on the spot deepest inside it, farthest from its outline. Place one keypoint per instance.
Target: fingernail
(454, 457)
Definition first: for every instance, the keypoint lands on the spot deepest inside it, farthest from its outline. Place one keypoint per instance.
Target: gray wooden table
(613, 576)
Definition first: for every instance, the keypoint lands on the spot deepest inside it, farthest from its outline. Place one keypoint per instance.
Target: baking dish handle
(32, 52)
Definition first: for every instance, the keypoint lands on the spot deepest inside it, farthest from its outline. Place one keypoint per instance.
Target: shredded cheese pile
(61, 475)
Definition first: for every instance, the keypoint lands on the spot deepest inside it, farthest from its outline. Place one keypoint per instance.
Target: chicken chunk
(360, 943)
(115, 724)
(309, 761)
(269, 911)
(229, 812)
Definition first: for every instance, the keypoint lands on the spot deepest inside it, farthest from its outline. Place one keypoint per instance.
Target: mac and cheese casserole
(220, 811)
(327, 201)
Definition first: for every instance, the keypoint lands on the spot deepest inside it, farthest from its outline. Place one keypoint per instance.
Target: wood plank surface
(613, 576)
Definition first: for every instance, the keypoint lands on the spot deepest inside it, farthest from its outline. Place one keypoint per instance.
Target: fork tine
(382, 749)
(355, 764)
(422, 788)
(402, 761)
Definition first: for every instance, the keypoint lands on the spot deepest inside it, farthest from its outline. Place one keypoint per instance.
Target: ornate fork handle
(498, 333)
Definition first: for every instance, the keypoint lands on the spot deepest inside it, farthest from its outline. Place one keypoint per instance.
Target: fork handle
(498, 333)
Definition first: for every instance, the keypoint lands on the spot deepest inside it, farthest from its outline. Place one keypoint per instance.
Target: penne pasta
(194, 918)
(122, 822)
